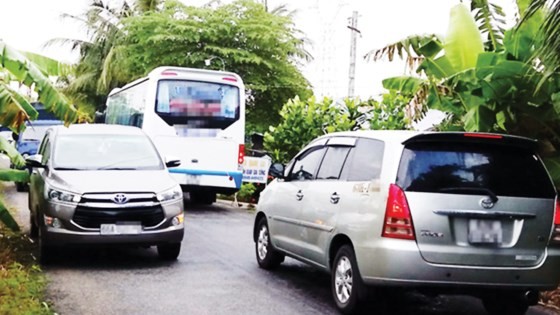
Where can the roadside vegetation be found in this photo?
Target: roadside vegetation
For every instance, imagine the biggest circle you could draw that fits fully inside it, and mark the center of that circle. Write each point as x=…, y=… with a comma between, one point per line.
x=22, y=284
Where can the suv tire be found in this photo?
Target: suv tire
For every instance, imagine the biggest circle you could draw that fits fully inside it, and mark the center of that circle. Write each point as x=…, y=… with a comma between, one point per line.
x=268, y=258
x=346, y=282
x=33, y=229
x=169, y=252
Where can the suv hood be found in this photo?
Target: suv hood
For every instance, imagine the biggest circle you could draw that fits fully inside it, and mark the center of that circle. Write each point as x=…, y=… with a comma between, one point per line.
x=112, y=181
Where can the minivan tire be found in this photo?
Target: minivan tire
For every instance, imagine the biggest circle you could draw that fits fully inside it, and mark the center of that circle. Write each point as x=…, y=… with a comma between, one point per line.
x=268, y=257
x=169, y=252
x=46, y=252
x=511, y=304
x=345, y=268
x=33, y=229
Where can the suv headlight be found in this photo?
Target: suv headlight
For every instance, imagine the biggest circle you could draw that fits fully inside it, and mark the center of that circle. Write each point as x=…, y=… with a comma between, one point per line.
x=59, y=195
x=174, y=193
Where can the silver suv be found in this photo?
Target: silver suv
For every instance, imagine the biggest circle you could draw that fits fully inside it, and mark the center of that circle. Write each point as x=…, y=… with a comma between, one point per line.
x=103, y=184
x=469, y=211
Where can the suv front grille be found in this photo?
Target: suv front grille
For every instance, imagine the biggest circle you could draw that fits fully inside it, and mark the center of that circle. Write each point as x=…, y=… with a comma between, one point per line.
x=94, y=210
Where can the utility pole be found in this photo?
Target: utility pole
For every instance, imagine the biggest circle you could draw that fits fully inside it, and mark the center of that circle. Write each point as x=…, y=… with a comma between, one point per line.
x=354, y=31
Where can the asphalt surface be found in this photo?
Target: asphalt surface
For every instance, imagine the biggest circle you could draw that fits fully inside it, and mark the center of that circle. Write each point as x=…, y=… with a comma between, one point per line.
x=216, y=273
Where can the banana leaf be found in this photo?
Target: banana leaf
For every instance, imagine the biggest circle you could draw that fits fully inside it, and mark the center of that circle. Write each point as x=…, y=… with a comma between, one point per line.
x=463, y=42
x=7, y=219
x=16, y=158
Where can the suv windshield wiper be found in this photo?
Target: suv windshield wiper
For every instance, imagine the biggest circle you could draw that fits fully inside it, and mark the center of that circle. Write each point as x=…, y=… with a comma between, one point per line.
x=67, y=169
x=486, y=191
x=112, y=168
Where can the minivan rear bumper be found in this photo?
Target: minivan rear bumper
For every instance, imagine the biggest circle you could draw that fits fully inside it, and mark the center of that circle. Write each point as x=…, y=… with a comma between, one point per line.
x=399, y=263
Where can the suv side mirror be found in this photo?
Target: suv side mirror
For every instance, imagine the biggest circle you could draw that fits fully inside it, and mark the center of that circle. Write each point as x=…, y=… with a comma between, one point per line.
x=276, y=170
x=172, y=161
x=35, y=161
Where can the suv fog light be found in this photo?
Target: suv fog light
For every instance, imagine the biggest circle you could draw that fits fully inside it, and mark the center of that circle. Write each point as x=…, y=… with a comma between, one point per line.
x=56, y=223
x=178, y=219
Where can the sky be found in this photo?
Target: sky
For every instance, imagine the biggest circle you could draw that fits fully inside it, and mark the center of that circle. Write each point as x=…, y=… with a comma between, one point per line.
x=324, y=23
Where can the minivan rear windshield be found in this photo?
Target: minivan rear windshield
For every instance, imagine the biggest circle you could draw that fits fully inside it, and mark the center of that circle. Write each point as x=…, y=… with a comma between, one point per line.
x=473, y=169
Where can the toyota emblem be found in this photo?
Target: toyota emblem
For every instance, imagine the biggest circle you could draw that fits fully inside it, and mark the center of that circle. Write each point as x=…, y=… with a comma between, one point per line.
x=486, y=203
x=120, y=199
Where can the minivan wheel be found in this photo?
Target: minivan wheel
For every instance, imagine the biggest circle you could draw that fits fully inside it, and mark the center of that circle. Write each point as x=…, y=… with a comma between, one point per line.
x=267, y=257
x=346, y=283
x=169, y=251
x=511, y=304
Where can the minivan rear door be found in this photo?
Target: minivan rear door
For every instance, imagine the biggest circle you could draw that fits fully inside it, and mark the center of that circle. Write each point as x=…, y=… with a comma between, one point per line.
x=477, y=199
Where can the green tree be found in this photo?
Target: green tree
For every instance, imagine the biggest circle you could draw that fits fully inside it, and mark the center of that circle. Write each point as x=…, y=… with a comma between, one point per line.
x=263, y=47
x=549, y=52
x=95, y=74
x=303, y=121
x=15, y=109
x=500, y=89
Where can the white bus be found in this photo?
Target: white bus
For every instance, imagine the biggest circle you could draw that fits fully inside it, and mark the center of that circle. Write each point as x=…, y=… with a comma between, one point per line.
x=195, y=115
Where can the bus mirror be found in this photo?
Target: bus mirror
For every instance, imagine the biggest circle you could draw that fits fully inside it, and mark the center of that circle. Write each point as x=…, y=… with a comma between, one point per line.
x=172, y=162
x=276, y=170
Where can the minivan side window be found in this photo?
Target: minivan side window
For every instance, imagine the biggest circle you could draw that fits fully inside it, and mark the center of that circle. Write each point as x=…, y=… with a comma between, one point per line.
x=305, y=166
x=364, y=161
x=332, y=162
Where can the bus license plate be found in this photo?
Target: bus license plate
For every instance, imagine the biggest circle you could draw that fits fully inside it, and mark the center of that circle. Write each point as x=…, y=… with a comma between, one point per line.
x=485, y=231
x=192, y=179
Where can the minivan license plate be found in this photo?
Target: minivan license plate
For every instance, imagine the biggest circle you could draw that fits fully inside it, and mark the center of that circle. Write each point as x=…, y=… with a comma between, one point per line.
x=116, y=229
x=485, y=231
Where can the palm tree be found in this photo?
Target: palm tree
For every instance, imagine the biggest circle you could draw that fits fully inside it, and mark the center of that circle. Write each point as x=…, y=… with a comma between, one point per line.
x=549, y=53
x=98, y=71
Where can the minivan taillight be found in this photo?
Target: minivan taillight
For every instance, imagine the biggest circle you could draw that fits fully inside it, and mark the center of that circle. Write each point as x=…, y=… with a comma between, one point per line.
x=556, y=230
x=241, y=154
x=398, y=222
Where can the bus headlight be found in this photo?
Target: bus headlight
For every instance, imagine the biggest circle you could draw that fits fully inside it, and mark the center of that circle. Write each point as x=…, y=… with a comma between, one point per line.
x=174, y=193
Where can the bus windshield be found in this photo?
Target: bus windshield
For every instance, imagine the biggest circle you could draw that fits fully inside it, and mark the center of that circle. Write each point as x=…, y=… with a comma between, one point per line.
x=196, y=103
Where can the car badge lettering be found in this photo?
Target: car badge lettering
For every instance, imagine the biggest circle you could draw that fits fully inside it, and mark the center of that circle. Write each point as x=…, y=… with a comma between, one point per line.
x=486, y=203
x=428, y=233
x=120, y=199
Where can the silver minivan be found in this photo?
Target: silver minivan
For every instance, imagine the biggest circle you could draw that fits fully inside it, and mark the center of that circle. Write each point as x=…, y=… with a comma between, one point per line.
x=103, y=184
x=470, y=213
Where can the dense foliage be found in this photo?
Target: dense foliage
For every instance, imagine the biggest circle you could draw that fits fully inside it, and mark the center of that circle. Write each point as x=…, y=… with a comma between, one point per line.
x=304, y=120
x=492, y=87
x=127, y=42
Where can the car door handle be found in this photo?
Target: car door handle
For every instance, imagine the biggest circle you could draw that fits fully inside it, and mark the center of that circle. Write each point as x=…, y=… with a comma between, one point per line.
x=335, y=198
x=299, y=195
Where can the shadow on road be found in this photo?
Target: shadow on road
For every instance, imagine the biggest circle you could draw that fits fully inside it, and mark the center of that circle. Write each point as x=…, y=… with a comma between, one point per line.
x=107, y=258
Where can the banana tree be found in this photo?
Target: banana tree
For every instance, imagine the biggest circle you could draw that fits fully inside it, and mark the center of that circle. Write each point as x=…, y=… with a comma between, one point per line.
x=495, y=86
x=15, y=109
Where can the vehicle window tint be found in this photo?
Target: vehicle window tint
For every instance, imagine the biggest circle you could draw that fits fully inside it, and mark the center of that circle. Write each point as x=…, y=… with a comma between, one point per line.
x=332, y=163
x=306, y=165
x=472, y=169
x=364, y=161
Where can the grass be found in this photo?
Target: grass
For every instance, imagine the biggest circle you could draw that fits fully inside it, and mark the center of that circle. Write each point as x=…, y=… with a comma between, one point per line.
x=22, y=283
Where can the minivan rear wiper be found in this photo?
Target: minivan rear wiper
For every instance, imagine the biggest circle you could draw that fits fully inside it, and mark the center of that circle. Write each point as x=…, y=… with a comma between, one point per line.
x=486, y=191
x=117, y=168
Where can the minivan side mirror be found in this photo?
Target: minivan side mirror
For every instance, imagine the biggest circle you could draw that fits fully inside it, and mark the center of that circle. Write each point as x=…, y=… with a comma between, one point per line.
x=35, y=161
x=171, y=161
x=276, y=170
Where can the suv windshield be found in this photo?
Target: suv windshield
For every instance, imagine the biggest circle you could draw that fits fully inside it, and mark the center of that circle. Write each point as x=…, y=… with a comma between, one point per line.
x=473, y=169
x=105, y=152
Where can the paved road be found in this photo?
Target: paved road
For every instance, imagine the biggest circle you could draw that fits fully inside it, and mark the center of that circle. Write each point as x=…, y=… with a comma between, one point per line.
x=216, y=273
